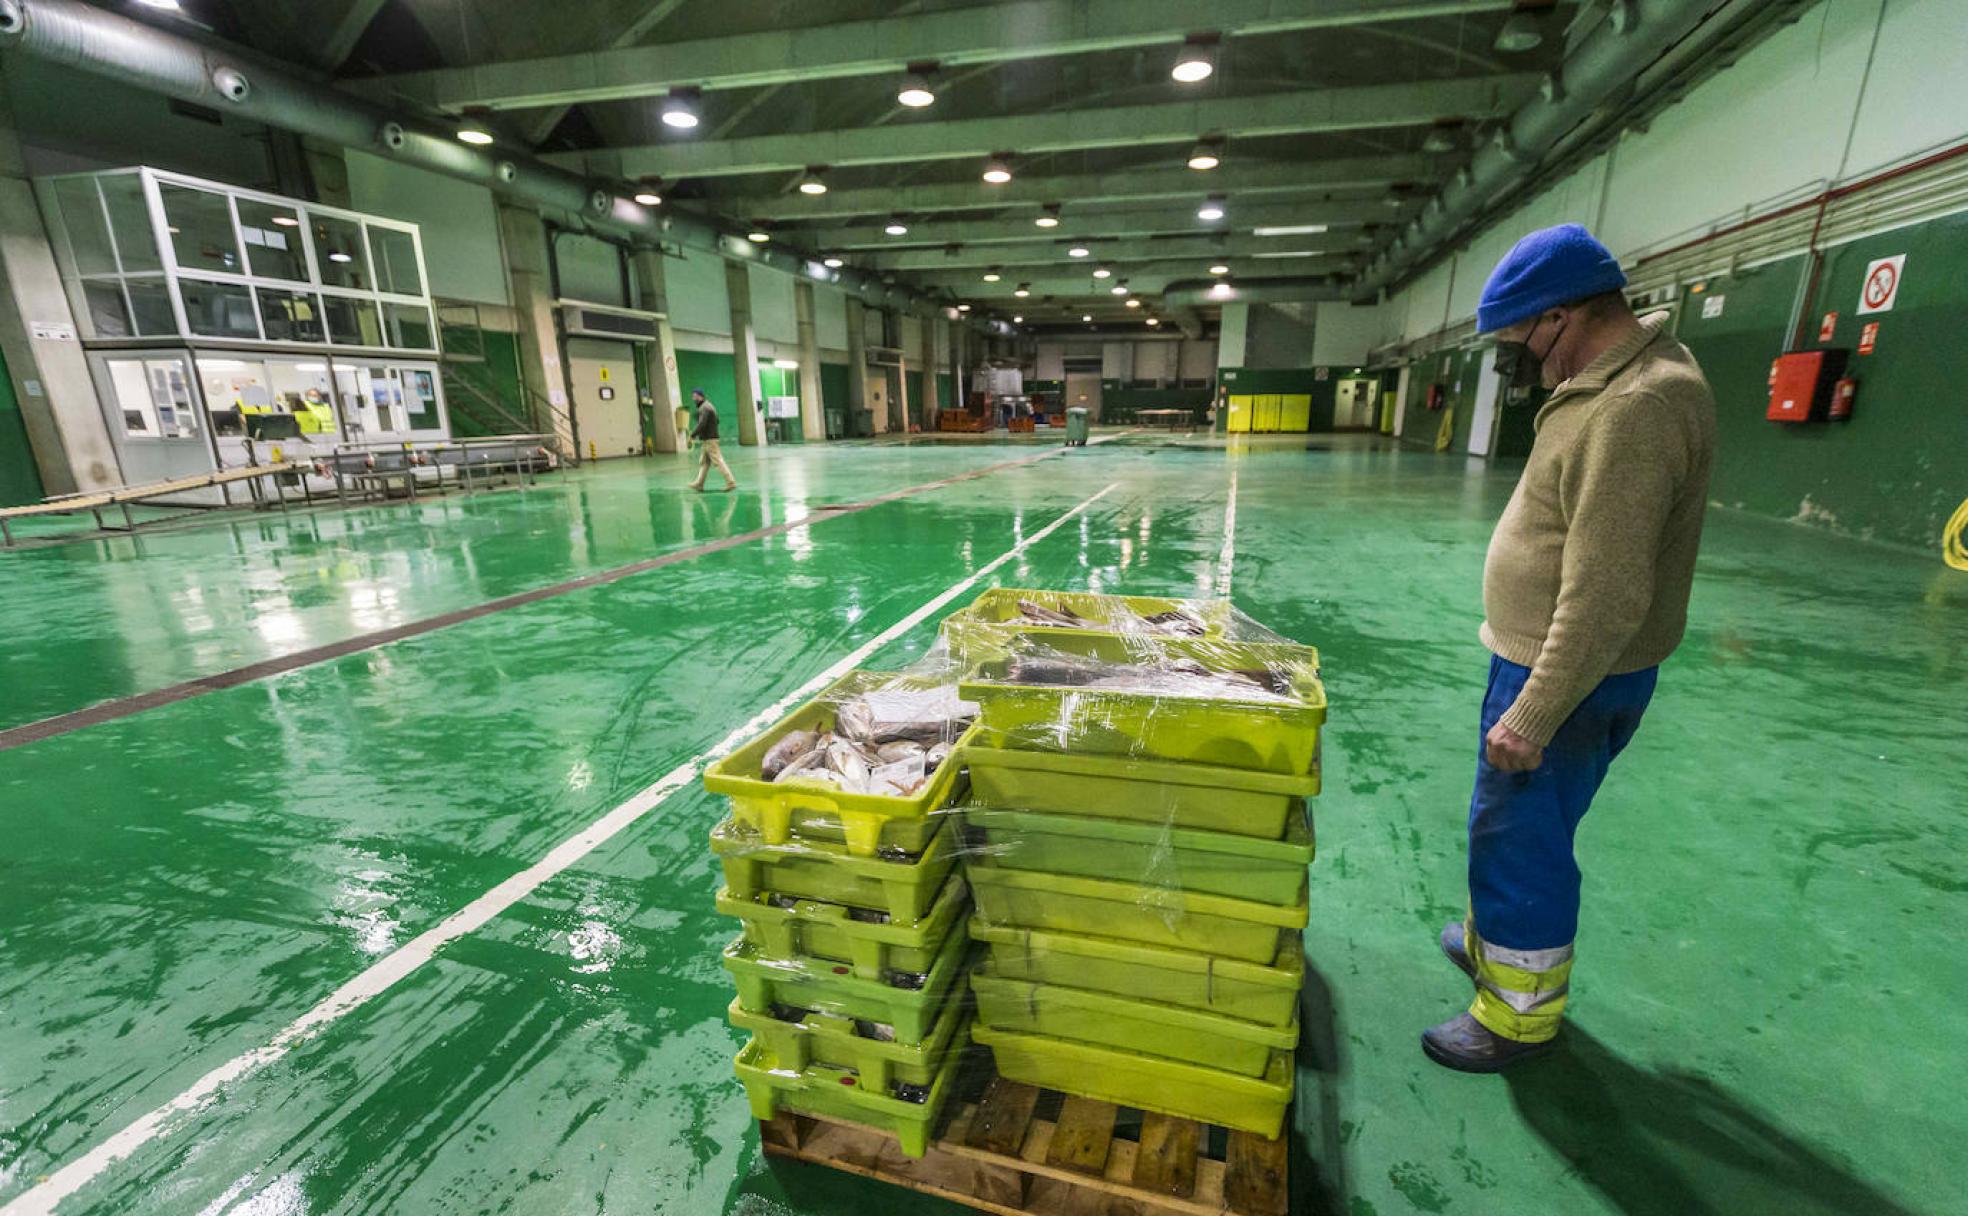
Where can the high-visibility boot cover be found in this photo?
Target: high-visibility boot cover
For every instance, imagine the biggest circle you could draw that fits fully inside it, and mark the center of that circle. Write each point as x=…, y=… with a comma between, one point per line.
x=1520, y=994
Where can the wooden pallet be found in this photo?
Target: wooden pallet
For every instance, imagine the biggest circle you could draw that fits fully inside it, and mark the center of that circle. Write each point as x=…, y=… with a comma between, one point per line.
x=1007, y=1152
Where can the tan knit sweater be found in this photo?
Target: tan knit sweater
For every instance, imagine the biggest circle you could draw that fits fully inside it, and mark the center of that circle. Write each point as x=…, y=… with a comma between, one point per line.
x=1590, y=566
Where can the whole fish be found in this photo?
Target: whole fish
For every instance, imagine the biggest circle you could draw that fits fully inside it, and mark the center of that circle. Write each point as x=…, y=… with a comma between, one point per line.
x=889, y=753
x=846, y=763
x=789, y=748
x=1042, y=615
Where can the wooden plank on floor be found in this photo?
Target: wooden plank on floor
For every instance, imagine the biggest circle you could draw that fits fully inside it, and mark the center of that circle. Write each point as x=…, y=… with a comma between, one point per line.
x=1003, y=1115
x=1254, y=1175
x=1081, y=1135
x=1165, y=1163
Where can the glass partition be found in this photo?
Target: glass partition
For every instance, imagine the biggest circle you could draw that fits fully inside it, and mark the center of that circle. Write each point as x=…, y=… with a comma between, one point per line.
x=234, y=264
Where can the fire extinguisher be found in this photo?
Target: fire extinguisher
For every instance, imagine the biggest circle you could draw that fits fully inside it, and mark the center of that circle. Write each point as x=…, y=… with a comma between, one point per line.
x=1842, y=395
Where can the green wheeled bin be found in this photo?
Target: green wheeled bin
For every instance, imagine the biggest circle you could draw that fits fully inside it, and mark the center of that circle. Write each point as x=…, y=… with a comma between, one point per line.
x=1076, y=426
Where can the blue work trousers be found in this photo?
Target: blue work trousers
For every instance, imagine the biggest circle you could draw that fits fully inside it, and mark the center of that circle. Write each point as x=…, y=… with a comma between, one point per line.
x=1523, y=879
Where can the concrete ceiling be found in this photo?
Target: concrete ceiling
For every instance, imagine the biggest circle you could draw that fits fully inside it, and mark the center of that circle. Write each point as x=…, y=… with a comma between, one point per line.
x=1349, y=113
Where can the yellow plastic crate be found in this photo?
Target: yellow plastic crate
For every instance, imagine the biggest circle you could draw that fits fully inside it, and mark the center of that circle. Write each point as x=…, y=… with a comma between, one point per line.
x=1147, y=1028
x=821, y=811
x=830, y=872
x=1271, y=736
x=910, y=1005
x=994, y=615
x=812, y=929
x=1158, y=916
x=771, y=1086
x=1169, y=1087
x=1199, y=796
x=1265, y=993
x=826, y=1039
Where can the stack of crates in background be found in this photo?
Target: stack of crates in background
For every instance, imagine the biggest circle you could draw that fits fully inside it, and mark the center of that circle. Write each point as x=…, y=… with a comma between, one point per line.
x=1136, y=838
x=852, y=964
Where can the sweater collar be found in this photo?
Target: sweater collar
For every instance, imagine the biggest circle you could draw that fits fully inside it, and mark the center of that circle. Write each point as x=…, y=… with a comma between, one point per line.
x=1614, y=358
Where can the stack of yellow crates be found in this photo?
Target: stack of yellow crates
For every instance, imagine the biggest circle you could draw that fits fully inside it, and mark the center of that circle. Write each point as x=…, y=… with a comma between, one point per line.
x=1136, y=839
x=852, y=964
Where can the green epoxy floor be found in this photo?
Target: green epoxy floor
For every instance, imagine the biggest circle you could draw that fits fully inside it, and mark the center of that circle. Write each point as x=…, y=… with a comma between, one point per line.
x=1769, y=984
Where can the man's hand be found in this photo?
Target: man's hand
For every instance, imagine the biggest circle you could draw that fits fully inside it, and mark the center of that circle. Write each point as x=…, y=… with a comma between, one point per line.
x=1511, y=752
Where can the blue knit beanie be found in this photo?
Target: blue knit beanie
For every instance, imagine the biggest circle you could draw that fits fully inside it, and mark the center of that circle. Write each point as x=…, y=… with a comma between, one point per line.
x=1551, y=266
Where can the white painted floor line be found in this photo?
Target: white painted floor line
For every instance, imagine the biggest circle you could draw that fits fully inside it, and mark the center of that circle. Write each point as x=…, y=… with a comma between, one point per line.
x=1227, y=559
x=41, y=1199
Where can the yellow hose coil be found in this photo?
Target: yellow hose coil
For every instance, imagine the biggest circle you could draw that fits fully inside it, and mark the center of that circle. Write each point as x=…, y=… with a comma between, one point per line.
x=1954, y=539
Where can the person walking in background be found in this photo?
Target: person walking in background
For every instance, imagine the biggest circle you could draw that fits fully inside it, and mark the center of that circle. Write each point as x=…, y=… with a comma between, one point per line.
x=1585, y=593
x=705, y=434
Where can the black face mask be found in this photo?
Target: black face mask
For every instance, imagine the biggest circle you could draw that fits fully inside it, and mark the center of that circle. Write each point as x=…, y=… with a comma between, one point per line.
x=1518, y=365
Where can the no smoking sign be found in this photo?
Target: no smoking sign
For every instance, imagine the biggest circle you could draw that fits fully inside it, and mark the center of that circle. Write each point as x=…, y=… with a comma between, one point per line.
x=1882, y=284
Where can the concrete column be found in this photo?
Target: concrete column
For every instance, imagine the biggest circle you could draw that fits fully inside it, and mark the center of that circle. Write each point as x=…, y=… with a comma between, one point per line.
x=899, y=406
x=931, y=364
x=813, y=413
x=744, y=352
x=541, y=373
x=1232, y=335
x=958, y=367
x=70, y=441
x=857, y=362
x=652, y=295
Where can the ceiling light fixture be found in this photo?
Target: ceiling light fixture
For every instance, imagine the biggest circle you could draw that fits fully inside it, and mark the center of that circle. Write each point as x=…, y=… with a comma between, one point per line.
x=1153, y=321
x=1211, y=210
x=1197, y=61
x=286, y=221
x=1207, y=154
x=1022, y=290
x=1049, y=218
x=1118, y=289
x=758, y=236
x=1219, y=268
x=786, y=365
x=1018, y=320
x=1133, y=301
x=472, y=129
x=1078, y=251
x=1289, y=230
x=1519, y=33
x=1439, y=139
x=833, y=263
x=916, y=92
x=812, y=182
x=339, y=256
x=1101, y=272
x=649, y=191
x=963, y=308
x=1223, y=291
x=680, y=108
x=992, y=275
x=1086, y=317
x=998, y=171
x=896, y=228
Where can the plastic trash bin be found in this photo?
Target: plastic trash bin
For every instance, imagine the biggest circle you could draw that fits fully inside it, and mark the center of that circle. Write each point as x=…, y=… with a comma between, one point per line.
x=1076, y=427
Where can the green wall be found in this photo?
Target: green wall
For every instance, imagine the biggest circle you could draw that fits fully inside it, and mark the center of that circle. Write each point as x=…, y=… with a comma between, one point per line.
x=1456, y=371
x=20, y=481
x=498, y=375
x=946, y=391
x=1898, y=468
x=912, y=387
x=716, y=374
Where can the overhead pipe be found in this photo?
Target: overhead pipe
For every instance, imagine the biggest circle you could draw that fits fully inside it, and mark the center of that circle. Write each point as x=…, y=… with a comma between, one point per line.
x=1633, y=35
x=89, y=39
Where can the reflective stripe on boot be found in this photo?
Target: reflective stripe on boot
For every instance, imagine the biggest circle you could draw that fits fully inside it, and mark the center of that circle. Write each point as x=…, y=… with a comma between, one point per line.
x=1520, y=994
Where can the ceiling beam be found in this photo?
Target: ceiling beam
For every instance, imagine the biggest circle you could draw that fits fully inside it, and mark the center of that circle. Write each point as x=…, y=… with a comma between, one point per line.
x=339, y=43
x=1076, y=282
x=1158, y=221
x=979, y=34
x=1076, y=191
x=1117, y=253
x=1355, y=108
x=538, y=127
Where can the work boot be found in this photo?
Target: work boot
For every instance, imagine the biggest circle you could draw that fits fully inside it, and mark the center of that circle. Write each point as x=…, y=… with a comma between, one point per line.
x=1457, y=948
x=1466, y=1045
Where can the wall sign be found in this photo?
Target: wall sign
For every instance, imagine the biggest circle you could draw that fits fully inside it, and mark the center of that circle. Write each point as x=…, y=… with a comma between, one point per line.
x=1882, y=284
x=604, y=373
x=52, y=331
x=1712, y=307
x=1827, y=327
x=1868, y=337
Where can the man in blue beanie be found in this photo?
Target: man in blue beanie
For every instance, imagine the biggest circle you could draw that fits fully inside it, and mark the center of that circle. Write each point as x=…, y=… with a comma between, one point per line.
x=1585, y=592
